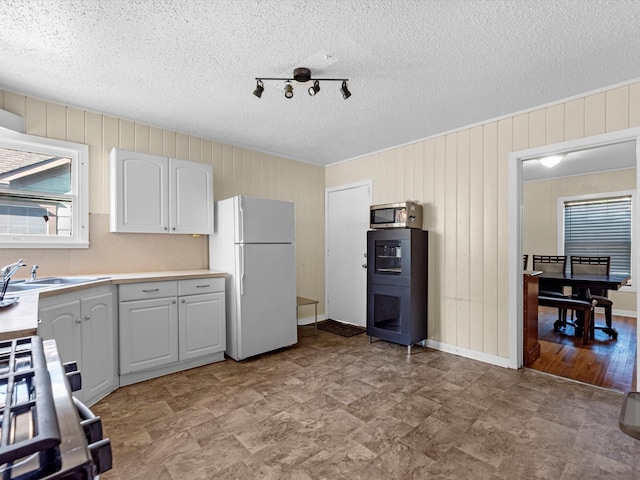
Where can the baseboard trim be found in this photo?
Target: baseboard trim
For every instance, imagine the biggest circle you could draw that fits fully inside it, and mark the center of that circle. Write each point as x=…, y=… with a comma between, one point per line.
x=310, y=320
x=465, y=352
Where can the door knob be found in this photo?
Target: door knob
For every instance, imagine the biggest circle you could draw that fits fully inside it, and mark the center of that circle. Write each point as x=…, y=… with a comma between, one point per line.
x=364, y=265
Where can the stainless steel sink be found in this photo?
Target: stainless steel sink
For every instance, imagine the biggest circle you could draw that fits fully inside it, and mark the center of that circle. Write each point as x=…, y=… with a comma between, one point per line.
x=62, y=280
x=48, y=282
x=22, y=287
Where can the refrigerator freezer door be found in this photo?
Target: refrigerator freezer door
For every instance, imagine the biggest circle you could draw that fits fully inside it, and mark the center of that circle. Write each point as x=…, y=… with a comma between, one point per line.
x=260, y=220
x=265, y=291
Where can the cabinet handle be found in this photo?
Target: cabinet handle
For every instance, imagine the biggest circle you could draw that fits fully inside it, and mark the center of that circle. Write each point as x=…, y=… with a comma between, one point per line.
x=39, y=321
x=151, y=290
x=203, y=286
x=173, y=302
x=78, y=320
x=166, y=228
x=174, y=229
x=87, y=317
x=184, y=301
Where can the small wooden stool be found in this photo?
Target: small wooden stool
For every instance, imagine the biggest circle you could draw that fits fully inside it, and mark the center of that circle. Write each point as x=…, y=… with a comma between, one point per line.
x=308, y=301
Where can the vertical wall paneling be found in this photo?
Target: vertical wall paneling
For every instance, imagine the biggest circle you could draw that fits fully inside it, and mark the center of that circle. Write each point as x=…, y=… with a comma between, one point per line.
x=169, y=143
x=505, y=146
x=155, y=141
x=428, y=207
x=247, y=172
x=238, y=170
x=476, y=238
x=537, y=128
x=36, y=117
x=182, y=146
x=141, y=137
x=617, y=109
x=554, y=124
x=15, y=103
x=75, y=125
x=573, y=119
x=227, y=171
x=490, y=231
x=463, y=178
x=521, y=132
x=594, y=114
x=56, y=121
x=195, y=149
x=128, y=135
x=97, y=181
x=110, y=131
x=418, y=177
x=451, y=234
x=218, y=170
x=634, y=105
x=438, y=237
x=409, y=173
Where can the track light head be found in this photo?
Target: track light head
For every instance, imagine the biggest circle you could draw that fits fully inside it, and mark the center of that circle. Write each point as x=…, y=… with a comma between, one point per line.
x=259, y=89
x=288, y=89
x=315, y=88
x=345, y=91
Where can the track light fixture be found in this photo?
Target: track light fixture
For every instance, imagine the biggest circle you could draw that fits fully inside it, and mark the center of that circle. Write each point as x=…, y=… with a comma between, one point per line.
x=301, y=75
x=288, y=89
x=259, y=89
x=345, y=91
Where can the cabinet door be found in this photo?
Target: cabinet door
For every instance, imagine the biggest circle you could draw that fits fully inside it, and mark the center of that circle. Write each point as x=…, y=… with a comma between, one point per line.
x=191, y=197
x=139, y=192
x=202, y=325
x=148, y=334
x=98, y=352
x=61, y=322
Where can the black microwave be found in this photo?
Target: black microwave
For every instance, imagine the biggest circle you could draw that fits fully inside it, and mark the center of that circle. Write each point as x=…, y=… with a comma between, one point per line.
x=396, y=215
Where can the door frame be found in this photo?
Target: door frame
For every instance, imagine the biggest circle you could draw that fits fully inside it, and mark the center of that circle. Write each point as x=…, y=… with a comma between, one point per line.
x=515, y=225
x=327, y=191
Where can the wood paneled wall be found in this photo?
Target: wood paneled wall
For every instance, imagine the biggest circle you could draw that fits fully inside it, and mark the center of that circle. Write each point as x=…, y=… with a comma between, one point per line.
x=461, y=178
x=237, y=171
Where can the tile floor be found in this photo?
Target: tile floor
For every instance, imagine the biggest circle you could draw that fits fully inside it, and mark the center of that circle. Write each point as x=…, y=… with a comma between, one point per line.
x=342, y=408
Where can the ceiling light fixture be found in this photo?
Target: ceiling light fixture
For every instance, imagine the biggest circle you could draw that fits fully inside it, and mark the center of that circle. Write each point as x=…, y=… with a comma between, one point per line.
x=301, y=75
x=259, y=89
x=288, y=89
x=551, y=161
x=315, y=89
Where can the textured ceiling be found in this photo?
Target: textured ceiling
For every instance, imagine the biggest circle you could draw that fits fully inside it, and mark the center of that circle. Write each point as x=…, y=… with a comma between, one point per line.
x=415, y=68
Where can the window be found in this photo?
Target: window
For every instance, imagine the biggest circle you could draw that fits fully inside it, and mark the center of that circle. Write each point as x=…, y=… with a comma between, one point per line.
x=600, y=226
x=43, y=192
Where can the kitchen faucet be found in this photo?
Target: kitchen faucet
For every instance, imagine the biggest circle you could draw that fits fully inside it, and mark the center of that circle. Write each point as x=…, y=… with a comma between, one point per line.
x=8, y=270
x=5, y=275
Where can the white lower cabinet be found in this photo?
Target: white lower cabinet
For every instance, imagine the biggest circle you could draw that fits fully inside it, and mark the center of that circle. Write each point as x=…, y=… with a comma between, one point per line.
x=83, y=324
x=170, y=326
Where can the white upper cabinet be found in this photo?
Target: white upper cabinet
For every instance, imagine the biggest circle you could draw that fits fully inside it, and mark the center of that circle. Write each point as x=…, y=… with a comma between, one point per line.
x=153, y=194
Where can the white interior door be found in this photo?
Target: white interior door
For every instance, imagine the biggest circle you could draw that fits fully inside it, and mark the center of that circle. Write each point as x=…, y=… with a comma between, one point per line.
x=347, y=218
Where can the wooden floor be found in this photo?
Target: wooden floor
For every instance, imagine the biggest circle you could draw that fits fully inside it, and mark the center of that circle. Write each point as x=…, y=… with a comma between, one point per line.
x=604, y=362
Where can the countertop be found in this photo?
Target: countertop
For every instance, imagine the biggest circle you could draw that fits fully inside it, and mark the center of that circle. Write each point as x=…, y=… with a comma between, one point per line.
x=21, y=318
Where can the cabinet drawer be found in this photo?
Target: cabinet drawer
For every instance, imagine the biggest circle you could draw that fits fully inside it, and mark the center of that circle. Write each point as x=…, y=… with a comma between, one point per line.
x=141, y=291
x=200, y=285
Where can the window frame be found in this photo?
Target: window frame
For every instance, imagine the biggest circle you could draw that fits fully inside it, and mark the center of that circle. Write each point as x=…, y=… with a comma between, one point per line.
x=630, y=287
x=79, y=195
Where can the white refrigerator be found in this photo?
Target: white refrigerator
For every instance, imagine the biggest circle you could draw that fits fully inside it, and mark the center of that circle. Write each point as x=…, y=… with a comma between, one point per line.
x=254, y=242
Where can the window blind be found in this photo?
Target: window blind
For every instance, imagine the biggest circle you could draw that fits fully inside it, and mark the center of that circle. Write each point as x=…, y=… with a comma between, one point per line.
x=600, y=228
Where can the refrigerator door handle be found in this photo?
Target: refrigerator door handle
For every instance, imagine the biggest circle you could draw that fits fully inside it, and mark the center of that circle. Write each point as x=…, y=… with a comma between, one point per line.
x=241, y=269
x=241, y=212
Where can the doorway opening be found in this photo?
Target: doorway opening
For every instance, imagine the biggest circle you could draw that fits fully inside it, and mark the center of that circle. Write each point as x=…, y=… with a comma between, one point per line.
x=603, y=362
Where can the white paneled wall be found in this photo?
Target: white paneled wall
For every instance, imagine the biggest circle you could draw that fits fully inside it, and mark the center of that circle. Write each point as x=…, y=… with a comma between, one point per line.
x=461, y=178
x=236, y=171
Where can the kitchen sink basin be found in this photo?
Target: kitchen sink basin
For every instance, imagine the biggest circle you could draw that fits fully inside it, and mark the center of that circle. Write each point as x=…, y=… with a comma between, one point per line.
x=23, y=287
x=48, y=282
x=62, y=280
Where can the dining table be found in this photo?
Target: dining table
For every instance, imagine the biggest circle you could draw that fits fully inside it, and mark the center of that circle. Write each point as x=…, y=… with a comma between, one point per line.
x=581, y=285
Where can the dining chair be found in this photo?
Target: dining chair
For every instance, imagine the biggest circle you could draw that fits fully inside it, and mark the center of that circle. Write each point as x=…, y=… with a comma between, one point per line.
x=557, y=264
x=586, y=265
x=525, y=259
